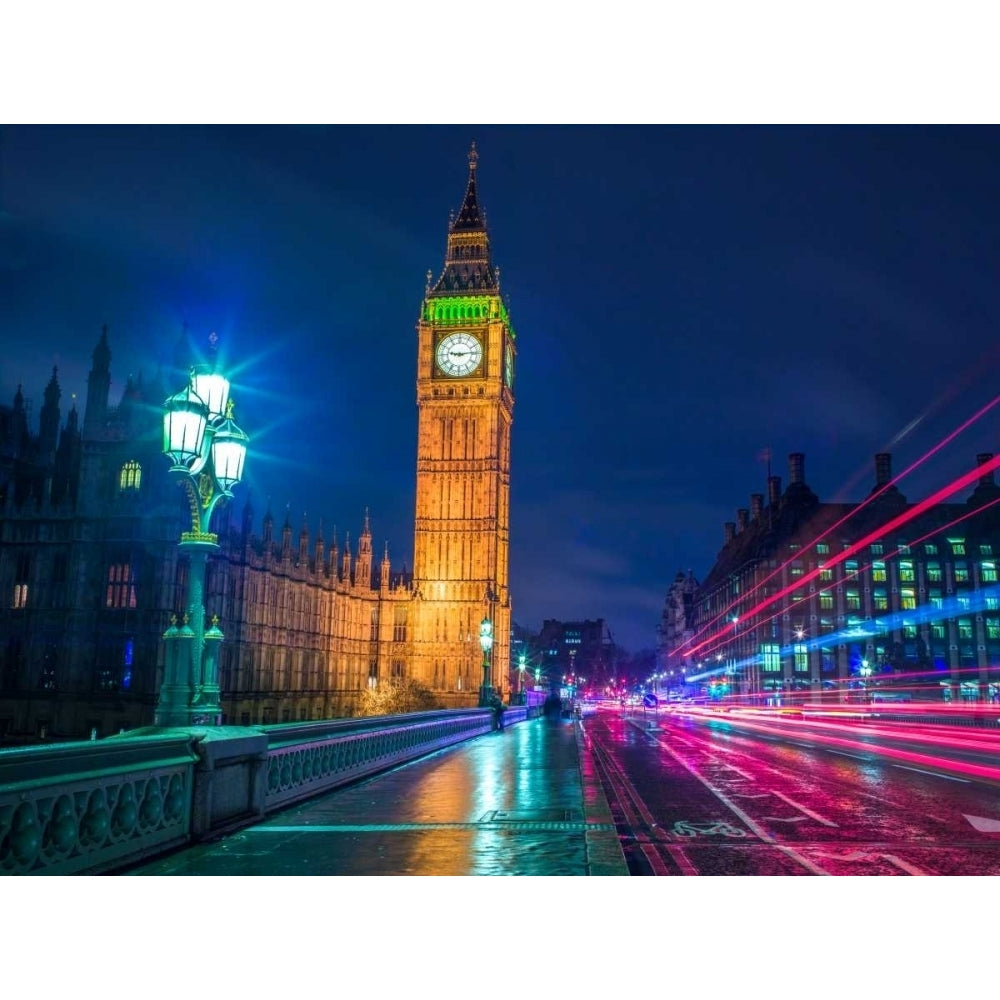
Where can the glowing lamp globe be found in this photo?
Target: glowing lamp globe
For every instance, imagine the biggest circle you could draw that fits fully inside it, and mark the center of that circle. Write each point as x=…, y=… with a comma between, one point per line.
x=184, y=423
x=229, y=451
x=213, y=389
x=486, y=634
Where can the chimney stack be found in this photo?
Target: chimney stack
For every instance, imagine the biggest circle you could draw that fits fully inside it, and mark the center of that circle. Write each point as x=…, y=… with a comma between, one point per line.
x=883, y=468
x=774, y=490
x=742, y=518
x=756, y=505
x=796, y=468
x=982, y=459
x=730, y=531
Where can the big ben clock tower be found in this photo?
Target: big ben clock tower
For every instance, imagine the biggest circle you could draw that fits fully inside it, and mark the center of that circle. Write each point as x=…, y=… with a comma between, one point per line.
x=465, y=379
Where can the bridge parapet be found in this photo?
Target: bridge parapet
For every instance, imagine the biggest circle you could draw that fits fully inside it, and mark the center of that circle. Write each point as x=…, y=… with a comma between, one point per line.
x=101, y=805
x=93, y=805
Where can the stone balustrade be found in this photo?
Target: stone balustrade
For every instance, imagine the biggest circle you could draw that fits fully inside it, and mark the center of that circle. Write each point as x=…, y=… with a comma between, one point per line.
x=102, y=805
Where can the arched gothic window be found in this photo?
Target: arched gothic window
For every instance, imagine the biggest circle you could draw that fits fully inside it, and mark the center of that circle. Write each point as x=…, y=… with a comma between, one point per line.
x=130, y=476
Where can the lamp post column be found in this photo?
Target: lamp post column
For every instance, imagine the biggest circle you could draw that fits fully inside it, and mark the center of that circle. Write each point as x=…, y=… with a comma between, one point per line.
x=208, y=451
x=486, y=642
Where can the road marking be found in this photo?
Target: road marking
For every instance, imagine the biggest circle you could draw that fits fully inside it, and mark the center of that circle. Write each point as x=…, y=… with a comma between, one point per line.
x=904, y=865
x=805, y=862
x=933, y=774
x=755, y=827
x=808, y=746
x=785, y=819
x=871, y=856
x=685, y=828
x=843, y=753
x=983, y=824
x=682, y=860
x=808, y=812
x=654, y=859
x=853, y=856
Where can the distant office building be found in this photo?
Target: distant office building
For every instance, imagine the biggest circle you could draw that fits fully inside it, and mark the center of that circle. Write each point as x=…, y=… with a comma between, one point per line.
x=812, y=596
x=581, y=650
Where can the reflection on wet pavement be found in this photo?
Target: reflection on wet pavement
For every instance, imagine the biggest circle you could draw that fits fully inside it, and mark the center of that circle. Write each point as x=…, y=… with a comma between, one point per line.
x=524, y=801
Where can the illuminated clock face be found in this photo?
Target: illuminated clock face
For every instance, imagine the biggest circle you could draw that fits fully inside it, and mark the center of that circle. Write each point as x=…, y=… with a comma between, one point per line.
x=459, y=354
x=508, y=367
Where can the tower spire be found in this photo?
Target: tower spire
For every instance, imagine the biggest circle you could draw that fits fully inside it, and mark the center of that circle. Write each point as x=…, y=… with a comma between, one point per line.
x=467, y=265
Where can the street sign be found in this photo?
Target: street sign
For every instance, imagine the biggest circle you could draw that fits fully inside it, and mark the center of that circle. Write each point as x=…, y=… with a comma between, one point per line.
x=649, y=700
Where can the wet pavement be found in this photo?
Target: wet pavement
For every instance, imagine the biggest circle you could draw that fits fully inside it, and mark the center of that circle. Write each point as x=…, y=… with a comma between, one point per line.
x=524, y=801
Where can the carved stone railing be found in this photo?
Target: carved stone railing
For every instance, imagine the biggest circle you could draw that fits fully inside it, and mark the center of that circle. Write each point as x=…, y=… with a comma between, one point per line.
x=93, y=806
x=103, y=805
x=306, y=759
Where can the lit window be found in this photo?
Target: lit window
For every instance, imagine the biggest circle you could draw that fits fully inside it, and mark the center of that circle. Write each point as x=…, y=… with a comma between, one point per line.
x=878, y=572
x=906, y=572
x=907, y=600
x=796, y=571
x=957, y=546
x=22, y=574
x=130, y=476
x=993, y=603
x=988, y=572
x=121, y=586
x=986, y=550
x=127, y=664
x=964, y=628
x=826, y=601
x=937, y=630
x=992, y=628
x=903, y=548
x=826, y=575
x=801, y=653
x=880, y=600
x=933, y=572
x=877, y=549
x=853, y=600
x=961, y=572
x=823, y=549
x=771, y=657
x=931, y=550
x=909, y=631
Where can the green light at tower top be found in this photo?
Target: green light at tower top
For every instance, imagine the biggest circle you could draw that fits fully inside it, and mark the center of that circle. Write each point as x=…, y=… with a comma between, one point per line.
x=466, y=309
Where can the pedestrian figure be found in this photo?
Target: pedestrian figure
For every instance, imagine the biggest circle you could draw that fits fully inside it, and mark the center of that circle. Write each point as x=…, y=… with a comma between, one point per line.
x=498, y=710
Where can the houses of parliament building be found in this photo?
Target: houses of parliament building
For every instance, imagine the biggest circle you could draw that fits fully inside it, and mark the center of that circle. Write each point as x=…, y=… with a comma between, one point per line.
x=91, y=575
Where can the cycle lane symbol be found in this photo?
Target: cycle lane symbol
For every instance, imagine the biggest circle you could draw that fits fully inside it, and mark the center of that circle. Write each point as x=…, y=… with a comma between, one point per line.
x=686, y=828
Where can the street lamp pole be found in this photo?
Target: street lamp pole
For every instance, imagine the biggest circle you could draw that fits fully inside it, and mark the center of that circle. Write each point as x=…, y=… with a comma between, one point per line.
x=486, y=642
x=521, y=664
x=208, y=450
x=866, y=672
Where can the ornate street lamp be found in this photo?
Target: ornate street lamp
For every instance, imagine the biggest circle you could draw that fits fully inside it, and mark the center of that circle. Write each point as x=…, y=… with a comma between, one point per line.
x=207, y=450
x=486, y=642
x=521, y=664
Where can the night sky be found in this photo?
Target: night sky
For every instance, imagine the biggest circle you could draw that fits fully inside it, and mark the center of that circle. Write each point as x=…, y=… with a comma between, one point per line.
x=683, y=297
